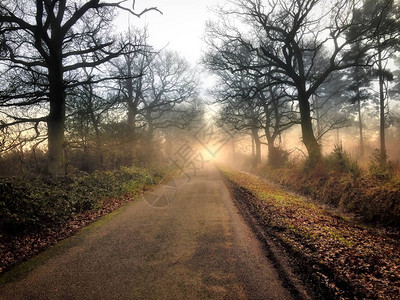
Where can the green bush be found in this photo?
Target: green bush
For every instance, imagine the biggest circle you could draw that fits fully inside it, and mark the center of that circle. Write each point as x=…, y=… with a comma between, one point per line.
x=340, y=161
x=278, y=157
x=382, y=170
x=47, y=202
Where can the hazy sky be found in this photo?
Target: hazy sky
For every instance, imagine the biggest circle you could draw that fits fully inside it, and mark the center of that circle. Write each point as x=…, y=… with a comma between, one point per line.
x=180, y=27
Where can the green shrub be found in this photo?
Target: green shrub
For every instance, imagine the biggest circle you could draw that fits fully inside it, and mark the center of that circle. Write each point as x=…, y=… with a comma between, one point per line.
x=278, y=157
x=340, y=161
x=382, y=170
x=47, y=202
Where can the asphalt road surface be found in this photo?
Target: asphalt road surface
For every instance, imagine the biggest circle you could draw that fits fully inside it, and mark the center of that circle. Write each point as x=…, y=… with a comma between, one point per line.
x=196, y=247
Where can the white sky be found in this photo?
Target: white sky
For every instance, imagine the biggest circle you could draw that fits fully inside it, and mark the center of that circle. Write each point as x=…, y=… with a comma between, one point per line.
x=180, y=28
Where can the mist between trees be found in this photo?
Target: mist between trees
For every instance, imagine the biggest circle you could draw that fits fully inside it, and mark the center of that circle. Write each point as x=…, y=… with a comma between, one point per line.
x=74, y=94
x=319, y=65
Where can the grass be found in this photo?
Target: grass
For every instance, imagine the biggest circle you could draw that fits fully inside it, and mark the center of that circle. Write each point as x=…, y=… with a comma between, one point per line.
x=365, y=258
x=373, y=200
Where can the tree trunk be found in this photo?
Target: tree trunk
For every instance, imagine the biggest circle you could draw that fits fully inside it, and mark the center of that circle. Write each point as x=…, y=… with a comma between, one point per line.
x=130, y=102
x=131, y=121
x=273, y=154
x=317, y=115
x=253, y=149
x=133, y=100
x=149, y=142
x=99, y=147
x=97, y=136
x=257, y=148
x=55, y=122
x=360, y=126
x=271, y=137
x=273, y=159
x=87, y=165
x=381, y=107
x=309, y=140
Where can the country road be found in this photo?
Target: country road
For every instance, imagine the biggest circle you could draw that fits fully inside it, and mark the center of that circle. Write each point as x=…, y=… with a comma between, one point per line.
x=197, y=247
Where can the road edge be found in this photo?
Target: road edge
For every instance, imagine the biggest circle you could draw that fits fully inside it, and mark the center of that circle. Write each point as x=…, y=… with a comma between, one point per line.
x=289, y=265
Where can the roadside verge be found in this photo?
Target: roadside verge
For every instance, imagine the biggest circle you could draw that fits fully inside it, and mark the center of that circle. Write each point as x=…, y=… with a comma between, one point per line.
x=39, y=213
x=342, y=260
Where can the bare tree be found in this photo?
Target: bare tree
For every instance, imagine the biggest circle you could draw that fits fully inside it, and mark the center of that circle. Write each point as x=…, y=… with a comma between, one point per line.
x=132, y=68
x=292, y=38
x=44, y=39
x=249, y=104
x=87, y=106
x=250, y=100
x=172, y=85
x=239, y=109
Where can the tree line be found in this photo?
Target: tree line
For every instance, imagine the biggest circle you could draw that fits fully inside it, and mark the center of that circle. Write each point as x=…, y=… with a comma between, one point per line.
x=280, y=63
x=69, y=82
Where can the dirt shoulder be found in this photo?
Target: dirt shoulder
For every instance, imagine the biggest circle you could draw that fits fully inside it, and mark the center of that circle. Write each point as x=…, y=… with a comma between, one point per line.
x=339, y=258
